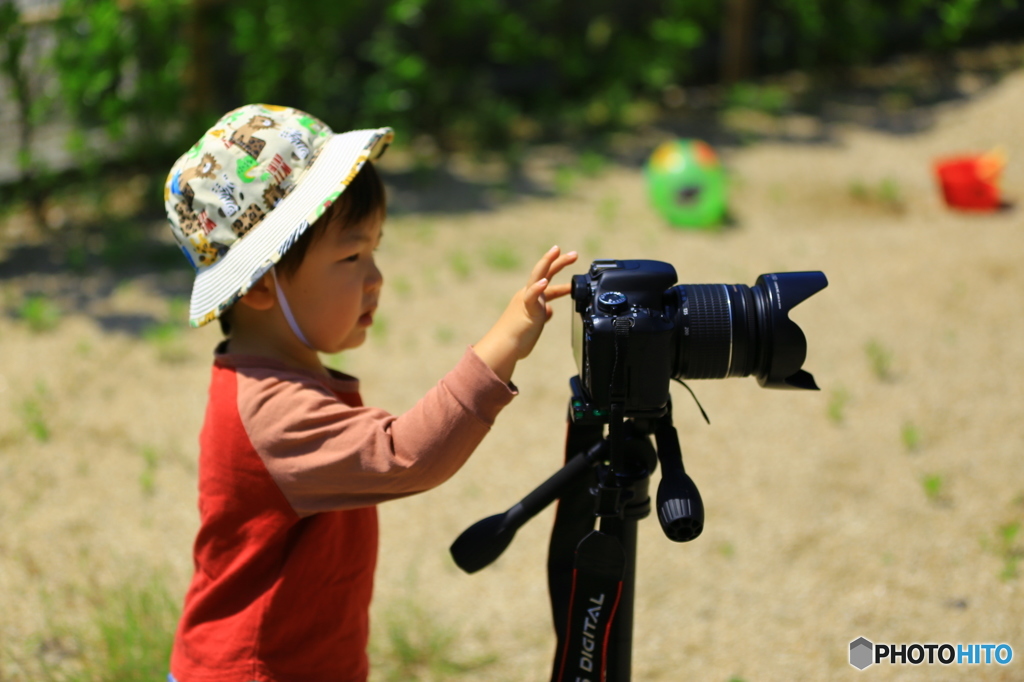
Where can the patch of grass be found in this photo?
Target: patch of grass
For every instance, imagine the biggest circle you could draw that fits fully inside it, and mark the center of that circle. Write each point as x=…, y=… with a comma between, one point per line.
x=136, y=631
x=565, y=180
x=934, y=486
x=502, y=257
x=1009, y=550
x=460, y=264
x=34, y=411
x=168, y=339
x=886, y=194
x=40, y=313
x=424, y=233
x=591, y=163
x=401, y=286
x=147, y=479
x=415, y=647
x=880, y=360
x=608, y=211
x=444, y=334
x=177, y=310
x=127, y=637
x=379, y=328
x=838, y=399
x=1007, y=546
x=770, y=99
x=911, y=436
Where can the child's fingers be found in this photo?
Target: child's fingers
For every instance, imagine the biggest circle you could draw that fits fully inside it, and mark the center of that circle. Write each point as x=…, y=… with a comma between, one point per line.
x=559, y=263
x=557, y=291
x=543, y=266
x=535, y=297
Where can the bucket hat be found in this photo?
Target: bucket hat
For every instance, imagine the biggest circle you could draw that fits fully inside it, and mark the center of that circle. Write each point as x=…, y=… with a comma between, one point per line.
x=256, y=180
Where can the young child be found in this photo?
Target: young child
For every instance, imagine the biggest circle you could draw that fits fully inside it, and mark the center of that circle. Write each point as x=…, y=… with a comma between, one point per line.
x=281, y=217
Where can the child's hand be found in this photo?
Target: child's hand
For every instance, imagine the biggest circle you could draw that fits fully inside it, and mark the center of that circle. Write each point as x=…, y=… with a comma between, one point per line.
x=516, y=332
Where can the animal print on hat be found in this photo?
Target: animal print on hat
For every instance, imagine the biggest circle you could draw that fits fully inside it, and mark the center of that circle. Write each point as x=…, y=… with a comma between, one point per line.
x=247, y=162
x=232, y=202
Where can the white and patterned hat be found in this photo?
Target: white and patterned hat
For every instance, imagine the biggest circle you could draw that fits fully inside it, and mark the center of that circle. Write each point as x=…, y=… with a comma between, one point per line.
x=241, y=196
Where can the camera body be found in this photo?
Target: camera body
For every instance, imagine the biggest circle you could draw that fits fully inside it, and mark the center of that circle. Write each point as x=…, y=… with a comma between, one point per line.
x=636, y=294
x=635, y=331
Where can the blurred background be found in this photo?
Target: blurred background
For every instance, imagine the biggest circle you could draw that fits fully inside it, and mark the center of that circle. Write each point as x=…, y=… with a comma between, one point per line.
x=522, y=124
x=93, y=87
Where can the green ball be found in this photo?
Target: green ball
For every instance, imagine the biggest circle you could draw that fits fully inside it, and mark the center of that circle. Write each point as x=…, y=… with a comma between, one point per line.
x=686, y=184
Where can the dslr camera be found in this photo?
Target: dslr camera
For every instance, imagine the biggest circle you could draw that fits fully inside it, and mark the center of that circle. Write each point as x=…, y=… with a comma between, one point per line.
x=637, y=329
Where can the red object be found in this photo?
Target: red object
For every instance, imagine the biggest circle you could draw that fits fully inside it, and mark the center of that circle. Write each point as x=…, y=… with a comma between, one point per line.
x=971, y=182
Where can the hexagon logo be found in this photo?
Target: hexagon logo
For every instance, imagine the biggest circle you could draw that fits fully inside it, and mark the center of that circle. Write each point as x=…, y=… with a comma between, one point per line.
x=861, y=653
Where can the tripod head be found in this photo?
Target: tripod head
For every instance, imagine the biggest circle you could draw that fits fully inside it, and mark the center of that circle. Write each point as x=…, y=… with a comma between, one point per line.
x=591, y=573
x=680, y=508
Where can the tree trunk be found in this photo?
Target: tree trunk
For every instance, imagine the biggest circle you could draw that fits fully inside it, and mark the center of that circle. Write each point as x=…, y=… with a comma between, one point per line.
x=737, y=40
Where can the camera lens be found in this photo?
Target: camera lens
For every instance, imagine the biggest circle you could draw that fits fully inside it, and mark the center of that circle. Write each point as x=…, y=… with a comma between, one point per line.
x=705, y=324
x=725, y=330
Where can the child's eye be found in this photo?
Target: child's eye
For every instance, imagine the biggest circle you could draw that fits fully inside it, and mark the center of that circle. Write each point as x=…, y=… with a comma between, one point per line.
x=351, y=259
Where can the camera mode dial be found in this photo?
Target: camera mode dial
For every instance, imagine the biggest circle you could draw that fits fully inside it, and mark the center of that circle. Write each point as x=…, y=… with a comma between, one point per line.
x=612, y=302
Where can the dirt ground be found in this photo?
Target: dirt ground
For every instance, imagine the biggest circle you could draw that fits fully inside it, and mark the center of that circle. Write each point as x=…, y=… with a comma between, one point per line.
x=883, y=506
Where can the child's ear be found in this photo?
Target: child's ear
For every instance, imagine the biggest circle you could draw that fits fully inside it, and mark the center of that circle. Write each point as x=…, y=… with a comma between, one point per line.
x=261, y=294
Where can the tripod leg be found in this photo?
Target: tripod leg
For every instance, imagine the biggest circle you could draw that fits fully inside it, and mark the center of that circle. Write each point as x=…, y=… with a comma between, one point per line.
x=587, y=646
x=620, y=640
x=574, y=520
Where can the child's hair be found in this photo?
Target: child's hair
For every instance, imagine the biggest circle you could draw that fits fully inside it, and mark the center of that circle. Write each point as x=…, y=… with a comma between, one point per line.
x=363, y=198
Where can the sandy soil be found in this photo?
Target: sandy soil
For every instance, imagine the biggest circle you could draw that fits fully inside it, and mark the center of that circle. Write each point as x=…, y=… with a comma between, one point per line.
x=878, y=507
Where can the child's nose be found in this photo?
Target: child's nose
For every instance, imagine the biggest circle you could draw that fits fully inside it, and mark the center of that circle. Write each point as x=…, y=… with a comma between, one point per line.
x=375, y=279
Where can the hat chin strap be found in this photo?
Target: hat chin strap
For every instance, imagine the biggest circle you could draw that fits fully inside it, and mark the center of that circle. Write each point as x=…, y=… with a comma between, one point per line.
x=286, y=309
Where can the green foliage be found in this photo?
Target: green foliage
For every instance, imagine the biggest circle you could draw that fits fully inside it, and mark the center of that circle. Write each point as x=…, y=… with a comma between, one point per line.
x=502, y=256
x=444, y=334
x=934, y=487
x=137, y=631
x=128, y=638
x=120, y=65
x=401, y=286
x=1007, y=546
x=416, y=647
x=40, y=313
x=608, y=211
x=460, y=264
x=880, y=360
x=1009, y=549
x=477, y=74
x=34, y=411
x=380, y=327
x=147, y=479
x=837, y=401
x=770, y=99
x=886, y=194
x=911, y=436
x=168, y=340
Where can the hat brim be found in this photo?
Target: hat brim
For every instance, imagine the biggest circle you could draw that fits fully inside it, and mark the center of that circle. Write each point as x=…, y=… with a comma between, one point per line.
x=217, y=287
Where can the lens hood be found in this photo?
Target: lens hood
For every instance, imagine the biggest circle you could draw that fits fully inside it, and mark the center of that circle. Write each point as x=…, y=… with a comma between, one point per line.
x=783, y=344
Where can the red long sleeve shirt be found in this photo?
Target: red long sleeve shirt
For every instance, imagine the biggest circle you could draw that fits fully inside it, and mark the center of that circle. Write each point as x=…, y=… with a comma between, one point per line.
x=291, y=465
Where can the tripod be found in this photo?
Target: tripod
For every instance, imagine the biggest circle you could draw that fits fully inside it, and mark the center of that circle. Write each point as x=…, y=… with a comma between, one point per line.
x=592, y=572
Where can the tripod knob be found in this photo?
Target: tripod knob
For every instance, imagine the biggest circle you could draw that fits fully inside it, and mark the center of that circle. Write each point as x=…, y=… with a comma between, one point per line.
x=680, y=509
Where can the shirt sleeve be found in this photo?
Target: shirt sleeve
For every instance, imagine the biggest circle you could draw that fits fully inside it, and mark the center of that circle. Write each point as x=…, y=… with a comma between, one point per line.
x=325, y=455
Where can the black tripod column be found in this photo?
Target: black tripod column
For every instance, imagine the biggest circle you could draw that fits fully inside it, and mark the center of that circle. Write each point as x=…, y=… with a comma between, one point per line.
x=592, y=572
x=624, y=529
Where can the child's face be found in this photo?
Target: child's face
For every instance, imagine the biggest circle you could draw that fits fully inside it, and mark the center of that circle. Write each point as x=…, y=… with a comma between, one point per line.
x=334, y=292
